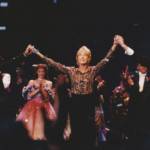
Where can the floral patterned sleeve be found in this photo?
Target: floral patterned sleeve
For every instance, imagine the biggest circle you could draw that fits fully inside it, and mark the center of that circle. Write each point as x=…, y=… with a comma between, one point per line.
x=56, y=65
x=105, y=60
x=27, y=89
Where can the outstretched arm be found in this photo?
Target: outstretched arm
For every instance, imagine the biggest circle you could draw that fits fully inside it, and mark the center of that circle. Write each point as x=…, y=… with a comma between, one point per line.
x=105, y=60
x=118, y=40
x=30, y=49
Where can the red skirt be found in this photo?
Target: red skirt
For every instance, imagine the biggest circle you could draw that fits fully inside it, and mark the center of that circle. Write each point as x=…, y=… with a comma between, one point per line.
x=32, y=117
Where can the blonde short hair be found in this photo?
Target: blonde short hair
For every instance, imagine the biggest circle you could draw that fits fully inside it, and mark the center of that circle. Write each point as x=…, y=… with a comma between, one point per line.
x=87, y=52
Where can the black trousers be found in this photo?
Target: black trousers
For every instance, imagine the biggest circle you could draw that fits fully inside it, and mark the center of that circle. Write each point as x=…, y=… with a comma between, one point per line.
x=82, y=112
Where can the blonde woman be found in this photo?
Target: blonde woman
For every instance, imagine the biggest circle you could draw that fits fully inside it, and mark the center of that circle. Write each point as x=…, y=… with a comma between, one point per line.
x=82, y=101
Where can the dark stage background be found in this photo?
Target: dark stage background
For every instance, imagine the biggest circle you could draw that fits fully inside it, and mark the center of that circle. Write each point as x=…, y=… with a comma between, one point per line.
x=59, y=27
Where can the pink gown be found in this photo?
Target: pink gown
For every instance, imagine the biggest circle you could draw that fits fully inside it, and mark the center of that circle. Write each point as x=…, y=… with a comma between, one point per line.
x=32, y=114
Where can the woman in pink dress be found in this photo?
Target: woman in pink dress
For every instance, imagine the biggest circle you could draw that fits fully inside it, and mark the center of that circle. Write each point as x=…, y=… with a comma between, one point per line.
x=38, y=93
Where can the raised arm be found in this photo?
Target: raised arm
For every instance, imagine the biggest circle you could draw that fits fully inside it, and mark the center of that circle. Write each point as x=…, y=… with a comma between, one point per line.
x=105, y=60
x=118, y=40
x=30, y=49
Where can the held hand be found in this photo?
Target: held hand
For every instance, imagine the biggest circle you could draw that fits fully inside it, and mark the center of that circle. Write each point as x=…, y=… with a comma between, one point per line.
x=41, y=86
x=29, y=50
x=118, y=39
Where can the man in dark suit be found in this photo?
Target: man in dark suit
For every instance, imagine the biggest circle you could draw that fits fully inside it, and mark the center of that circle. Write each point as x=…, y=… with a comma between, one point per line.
x=138, y=86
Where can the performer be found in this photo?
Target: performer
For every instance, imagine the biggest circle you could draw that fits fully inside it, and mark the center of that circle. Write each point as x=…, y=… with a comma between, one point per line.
x=5, y=77
x=5, y=91
x=138, y=86
x=58, y=132
x=101, y=94
x=82, y=102
x=38, y=93
x=5, y=81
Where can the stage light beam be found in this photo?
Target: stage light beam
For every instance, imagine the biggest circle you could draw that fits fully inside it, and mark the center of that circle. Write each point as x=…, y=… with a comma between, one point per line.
x=3, y=4
x=3, y=28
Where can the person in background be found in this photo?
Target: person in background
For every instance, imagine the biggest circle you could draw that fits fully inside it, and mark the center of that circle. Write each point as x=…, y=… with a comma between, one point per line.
x=38, y=93
x=138, y=87
x=102, y=95
x=58, y=133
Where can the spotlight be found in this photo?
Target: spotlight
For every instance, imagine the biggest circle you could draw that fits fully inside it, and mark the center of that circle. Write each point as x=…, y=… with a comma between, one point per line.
x=55, y=1
x=3, y=4
x=3, y=28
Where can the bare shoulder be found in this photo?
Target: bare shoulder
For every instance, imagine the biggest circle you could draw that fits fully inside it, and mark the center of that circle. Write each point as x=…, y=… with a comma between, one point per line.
x=31, y=82
x=48, y=82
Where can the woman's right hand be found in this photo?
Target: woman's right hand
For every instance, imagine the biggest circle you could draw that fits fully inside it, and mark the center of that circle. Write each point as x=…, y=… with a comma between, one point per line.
x=29, y=50
x=118, y=39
